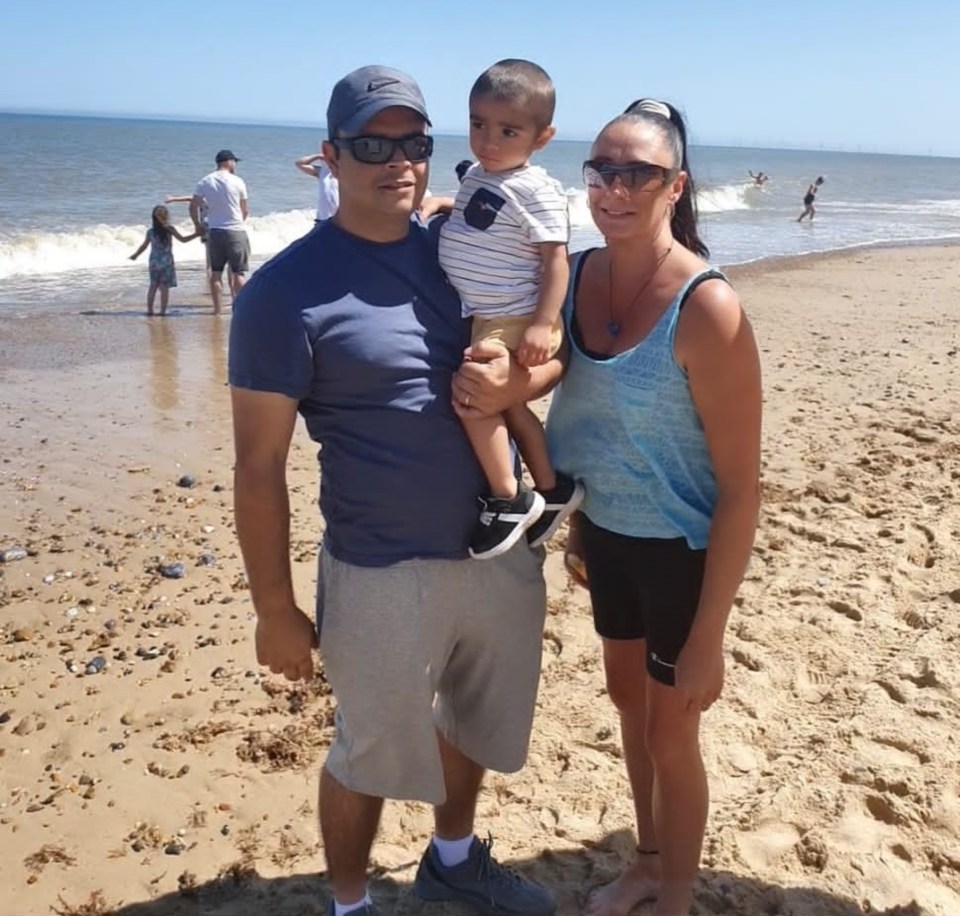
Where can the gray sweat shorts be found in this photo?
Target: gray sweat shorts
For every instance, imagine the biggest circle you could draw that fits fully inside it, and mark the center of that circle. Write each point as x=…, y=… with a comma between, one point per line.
x=424, y=645
x=228, y=246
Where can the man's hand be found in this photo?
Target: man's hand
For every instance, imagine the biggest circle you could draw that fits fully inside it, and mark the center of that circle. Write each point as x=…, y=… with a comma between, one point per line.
x=534, y=349
x=484, y=384
x=284, y=640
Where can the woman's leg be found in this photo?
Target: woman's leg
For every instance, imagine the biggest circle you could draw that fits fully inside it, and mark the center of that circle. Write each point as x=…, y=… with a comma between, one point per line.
x=624, y=662
x=680, y=795
x=661, y=748
x=164, y=298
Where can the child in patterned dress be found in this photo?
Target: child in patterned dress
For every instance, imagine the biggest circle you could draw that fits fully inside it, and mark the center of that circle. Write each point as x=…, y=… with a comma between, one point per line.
x=163, y=272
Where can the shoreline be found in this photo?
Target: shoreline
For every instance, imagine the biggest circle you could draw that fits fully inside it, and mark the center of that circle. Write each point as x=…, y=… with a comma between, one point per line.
x=195, y=290
x=177, y=778
x=775, y=261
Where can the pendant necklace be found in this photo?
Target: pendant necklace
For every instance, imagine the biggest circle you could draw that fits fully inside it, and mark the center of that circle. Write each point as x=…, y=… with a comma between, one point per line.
x=615, y=325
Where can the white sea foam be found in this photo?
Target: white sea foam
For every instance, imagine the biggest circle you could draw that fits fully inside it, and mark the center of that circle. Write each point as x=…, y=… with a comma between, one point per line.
x=709, y=200
x=578, y=209
x=35, y=254
x=724, y=198
x=42, y=253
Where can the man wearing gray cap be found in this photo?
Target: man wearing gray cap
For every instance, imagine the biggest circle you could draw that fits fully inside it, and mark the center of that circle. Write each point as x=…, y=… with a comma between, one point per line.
x=434, y=659
x=223, y=194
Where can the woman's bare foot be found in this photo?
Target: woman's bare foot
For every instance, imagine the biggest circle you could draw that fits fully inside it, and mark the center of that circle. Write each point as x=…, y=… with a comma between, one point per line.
x=637, y=883
x=674, y=900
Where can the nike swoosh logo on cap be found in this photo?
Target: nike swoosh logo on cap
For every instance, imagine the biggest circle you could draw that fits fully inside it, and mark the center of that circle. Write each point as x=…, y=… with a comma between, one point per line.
x=374, y=85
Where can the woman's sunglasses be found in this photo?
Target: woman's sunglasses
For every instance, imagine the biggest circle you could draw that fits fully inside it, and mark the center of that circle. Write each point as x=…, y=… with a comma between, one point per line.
x=377, y=150
x=632, y=175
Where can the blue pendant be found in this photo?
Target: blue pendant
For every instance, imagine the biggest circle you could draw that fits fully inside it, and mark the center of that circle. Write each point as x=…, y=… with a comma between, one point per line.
x=613, y=328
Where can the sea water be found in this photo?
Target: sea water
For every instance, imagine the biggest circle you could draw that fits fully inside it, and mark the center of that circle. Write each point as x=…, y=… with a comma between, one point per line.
x=76, y=195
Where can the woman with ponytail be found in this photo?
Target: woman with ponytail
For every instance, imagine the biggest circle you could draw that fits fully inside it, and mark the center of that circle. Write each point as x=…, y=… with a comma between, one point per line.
x=658, y=415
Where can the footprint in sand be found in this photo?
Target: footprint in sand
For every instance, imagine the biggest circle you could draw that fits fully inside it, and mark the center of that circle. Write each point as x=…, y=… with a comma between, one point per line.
x=922, y=551
x=890, y=751
x=846, y=609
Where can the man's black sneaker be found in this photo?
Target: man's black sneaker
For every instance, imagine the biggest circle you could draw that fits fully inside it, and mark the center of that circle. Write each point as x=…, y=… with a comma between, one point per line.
x=482, y=883
x=561, y=501
x=503, y=522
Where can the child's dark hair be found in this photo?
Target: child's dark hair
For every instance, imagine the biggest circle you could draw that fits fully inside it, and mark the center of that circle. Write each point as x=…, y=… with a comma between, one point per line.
x=160, y=217
x=521, y=82
x=669, y=122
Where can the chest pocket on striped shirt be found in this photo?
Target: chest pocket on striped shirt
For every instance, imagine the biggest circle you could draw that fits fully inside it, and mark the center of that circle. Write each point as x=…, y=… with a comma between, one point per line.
x=483, y=208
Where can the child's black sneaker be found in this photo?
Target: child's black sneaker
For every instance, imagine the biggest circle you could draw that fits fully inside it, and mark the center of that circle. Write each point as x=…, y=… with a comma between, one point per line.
x=503, y=522
x=560, y=502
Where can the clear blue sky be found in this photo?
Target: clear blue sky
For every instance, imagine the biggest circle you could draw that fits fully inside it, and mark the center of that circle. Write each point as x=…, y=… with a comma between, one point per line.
x=844, y=74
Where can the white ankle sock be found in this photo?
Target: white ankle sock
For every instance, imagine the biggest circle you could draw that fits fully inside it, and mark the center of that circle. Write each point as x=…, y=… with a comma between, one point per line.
x=341, y=909
x=452, y=852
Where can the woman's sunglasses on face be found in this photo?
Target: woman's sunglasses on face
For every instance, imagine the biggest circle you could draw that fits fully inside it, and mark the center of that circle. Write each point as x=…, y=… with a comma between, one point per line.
x=377, y=150
x=634, y=176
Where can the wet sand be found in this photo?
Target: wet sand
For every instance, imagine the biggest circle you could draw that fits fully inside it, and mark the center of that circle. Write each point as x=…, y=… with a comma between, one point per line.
x=175, y=778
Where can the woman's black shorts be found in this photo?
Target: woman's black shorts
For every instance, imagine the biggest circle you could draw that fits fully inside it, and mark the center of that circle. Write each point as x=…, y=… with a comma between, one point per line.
x=643, y=588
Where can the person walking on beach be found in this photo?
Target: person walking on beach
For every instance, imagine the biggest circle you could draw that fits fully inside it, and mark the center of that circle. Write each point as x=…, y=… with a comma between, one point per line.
x=659, y=415
x=809, y=198
x=355, y=327
x=504, y=249
x=328, y=193
x=163, y=271
x=225, y=196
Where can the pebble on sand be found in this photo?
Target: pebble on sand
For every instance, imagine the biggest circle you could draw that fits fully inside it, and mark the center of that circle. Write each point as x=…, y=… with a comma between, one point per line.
x=172, y=570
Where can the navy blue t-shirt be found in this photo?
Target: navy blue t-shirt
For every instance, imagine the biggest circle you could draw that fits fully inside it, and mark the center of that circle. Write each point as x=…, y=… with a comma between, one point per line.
x=367, y=336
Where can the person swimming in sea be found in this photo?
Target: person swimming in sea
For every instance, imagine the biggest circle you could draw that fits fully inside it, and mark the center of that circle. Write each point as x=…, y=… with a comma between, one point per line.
x=760, y=179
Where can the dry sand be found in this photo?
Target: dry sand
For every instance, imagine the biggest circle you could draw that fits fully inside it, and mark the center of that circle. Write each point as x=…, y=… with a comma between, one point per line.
x=180, y=780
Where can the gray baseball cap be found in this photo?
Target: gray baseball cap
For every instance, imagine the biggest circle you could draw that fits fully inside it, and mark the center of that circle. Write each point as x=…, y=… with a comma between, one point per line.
x=365, y=92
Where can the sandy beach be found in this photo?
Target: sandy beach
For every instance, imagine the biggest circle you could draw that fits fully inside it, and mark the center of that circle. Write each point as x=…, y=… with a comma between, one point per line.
x=148, y=768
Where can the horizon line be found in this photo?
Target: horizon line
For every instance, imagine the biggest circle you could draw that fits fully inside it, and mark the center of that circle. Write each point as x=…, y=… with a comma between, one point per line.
x=231, y=122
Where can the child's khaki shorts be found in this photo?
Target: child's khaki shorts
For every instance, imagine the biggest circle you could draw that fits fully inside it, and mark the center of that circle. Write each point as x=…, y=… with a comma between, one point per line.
x=508, y=329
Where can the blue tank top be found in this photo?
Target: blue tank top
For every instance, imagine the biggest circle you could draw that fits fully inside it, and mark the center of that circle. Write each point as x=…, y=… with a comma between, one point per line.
x=626, y=426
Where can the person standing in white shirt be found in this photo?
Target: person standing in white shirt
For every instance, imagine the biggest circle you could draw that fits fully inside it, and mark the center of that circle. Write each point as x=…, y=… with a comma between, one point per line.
x=328, y=190
x=225, y=196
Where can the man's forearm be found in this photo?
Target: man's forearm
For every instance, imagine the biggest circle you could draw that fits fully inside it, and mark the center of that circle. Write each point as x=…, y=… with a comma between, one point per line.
x=262, y=510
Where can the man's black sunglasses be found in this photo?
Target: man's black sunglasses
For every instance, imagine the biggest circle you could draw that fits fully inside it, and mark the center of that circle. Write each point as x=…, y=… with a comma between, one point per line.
x=633, y=175
x=377, y=150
